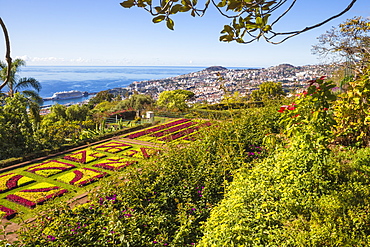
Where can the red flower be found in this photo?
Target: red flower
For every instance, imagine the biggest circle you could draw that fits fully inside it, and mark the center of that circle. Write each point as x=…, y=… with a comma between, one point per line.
x=282, y=108
x=291, y=108
x=325, y=109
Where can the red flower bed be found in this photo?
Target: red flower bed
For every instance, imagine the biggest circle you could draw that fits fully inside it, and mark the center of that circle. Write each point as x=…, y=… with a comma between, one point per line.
x=84, y=156
x=179, y=134
x=11, y=180
x=112, y=147
x=184, y=132
x=33, y=196
x=114, y=164
x=9, y=213
x=49, y=168
x=142, y=152
x=173, y=129
x=81, y=176
x=157, y=128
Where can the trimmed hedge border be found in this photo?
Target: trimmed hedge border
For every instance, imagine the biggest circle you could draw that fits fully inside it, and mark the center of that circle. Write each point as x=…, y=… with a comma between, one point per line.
x=12, y=163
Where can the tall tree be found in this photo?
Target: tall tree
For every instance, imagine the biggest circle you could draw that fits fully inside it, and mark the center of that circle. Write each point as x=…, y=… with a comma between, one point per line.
x=23, y=85
x=268, y=90
x=174, y=100
x=16, y=132
x=349, y=42
x=252, y=20
x=137, y=102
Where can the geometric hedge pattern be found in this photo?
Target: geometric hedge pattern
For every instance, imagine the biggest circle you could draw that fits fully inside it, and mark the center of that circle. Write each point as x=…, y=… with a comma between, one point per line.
x=106, y=157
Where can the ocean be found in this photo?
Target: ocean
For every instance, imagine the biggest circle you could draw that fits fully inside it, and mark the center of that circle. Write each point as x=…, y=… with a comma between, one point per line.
x=94, y=79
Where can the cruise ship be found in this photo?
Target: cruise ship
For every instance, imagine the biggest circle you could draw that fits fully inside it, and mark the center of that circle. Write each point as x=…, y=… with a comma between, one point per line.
x=68, y=95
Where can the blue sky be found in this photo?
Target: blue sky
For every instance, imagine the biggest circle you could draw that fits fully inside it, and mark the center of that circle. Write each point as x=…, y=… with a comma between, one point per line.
x=92, y=32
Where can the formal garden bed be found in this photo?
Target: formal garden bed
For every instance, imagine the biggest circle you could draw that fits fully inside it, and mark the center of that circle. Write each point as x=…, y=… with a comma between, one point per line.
x=112, y=147
x=50, y=168
x=36, y=194
x=81, y=176
x=12, y=180
x=115, y=163
x=78, y=171
x=84, y=156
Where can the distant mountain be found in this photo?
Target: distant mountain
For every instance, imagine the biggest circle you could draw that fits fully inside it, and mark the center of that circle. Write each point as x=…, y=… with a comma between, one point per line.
x=284, y=66
x=215, y=68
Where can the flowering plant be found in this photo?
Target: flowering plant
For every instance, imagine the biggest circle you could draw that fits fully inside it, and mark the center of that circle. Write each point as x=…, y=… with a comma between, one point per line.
x=49, y=168
x=7, y=212
x=84, y=156
x=156, y=128
x=310, y=118
x=81, y=176
x=142, y=152
x=11, y=180
x=112, y=147
x=36, y=194
x=115, y=163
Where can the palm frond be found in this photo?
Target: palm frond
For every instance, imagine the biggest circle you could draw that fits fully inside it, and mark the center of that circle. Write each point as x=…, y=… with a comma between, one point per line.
x=33, y=96
x=17, y=63
x=28, y=82
x=2, y=65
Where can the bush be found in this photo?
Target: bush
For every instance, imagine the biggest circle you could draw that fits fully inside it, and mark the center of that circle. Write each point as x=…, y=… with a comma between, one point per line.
x=295, y=199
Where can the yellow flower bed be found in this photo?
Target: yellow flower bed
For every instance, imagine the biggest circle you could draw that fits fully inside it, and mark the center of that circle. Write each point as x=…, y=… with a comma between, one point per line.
x=49, y=168
x=81, y=176
x=11, y=180
x=84, y=156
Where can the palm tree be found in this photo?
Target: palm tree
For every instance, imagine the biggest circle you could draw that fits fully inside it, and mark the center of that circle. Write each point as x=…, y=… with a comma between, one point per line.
x=16, y=84
x=22, y=85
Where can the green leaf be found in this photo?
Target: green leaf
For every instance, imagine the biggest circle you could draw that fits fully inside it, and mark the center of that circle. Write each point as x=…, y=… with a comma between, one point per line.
x=221, y=4
x=265, y=19
x=127, y=4
x=267, y=28
x=158, y=9
x=226, y=38
x=159, y=18
x=185, y=9
x=176, y=8
x=170, y=23
x=259, y=21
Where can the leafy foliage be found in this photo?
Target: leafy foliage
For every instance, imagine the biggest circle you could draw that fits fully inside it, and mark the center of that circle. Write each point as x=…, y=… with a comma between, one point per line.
x=251, y=19
x=268, y=91
x=16, y=132
x=309, y=119
x=174, y=100
x=352, y=112
x=135, y=101
x=294, y=198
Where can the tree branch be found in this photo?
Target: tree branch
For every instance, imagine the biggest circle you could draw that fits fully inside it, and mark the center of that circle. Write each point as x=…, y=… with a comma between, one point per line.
x=294, y=33
x=7, y=54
